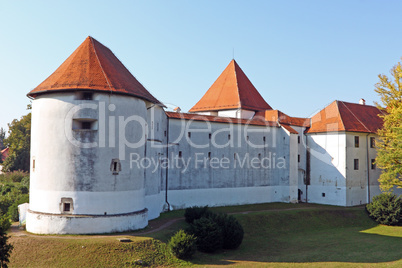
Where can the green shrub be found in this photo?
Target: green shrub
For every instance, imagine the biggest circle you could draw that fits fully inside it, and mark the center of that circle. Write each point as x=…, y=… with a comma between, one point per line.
x=182, y=245
x=386, y=208
x=208, y=233
x=232, y=230
x=194, y=213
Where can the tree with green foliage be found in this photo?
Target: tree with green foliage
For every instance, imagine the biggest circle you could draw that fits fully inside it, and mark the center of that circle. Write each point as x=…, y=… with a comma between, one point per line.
x=2, y=137
x=389, y=147
x=18, y=141
x=5, y=247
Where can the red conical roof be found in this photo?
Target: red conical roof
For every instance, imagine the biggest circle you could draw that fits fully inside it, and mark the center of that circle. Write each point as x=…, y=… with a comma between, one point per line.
x=94, y=67
x=232, y=90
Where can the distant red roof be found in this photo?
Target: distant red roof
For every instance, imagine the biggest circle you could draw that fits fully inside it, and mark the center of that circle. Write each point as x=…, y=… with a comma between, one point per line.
x=4, y=154
x=276, y=115
x=345, y=116
x=94, y=67
x=232, y=90
x=219, y=119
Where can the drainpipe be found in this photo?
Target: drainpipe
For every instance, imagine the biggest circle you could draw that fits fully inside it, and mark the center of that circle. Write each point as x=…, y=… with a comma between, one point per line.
x=307, y=174
x=167, y=166
x=368, y=169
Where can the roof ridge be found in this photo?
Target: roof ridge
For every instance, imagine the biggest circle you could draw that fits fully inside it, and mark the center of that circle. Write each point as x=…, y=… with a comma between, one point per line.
x=237, y=82
x=355, y=117
x=337, y=106
x=100, y=64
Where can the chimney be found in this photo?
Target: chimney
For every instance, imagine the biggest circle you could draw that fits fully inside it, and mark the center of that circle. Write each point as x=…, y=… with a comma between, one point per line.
x=362, y=102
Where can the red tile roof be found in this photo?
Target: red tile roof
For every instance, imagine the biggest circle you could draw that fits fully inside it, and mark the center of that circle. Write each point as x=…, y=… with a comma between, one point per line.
x=345, y=116
x=94, y=67
x=282, y=118
x=232, y=90
x=219, y=119
x=4, y=154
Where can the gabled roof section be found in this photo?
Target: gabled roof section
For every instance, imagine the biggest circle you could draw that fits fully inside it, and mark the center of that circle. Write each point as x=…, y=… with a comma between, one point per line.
x=232, y=90
x=345, y=116
x=93, y=67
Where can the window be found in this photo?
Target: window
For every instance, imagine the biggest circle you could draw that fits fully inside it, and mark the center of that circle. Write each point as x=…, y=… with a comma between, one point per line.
x=229, y=137
x=323, y=194
x=356, y=141
x=234, y=156
x=259, y=156
x=372, y=142
x=209, y=155
x=298, y=139
x=298, y=158
x=356, y=164
x=209, y=135
x=84, y=124
x=165, y=133
x=66, y=205
x=373, y=165
x=115, y=166
x=87, y=96
x=189, y=134
x=180, y=154
x=263, y=138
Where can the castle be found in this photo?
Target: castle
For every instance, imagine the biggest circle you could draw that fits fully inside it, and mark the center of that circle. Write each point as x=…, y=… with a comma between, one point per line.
x=107, y=157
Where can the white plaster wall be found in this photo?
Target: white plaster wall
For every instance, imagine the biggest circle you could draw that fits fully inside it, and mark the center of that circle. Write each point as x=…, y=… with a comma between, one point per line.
x=328, y=168
x=76, y=163
x=237, y=113
x=67, y=224
x=229, y=165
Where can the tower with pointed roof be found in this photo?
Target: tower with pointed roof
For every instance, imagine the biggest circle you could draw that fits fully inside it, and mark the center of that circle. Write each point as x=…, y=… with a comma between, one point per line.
x=81, y=180
x=231, y=95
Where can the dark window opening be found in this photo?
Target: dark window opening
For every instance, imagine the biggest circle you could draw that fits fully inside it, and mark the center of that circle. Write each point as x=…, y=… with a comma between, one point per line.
x=189, y=134
x=356, y=164
x=180, y=154
x=229, y=137
x=263, y=138
x=209, y=135
x=87, y=96
x=298, y=158
x=372, y=142
x=115, y=166
x=165, y=133
x=259, y=156
x=298, y=139
x=85, y=125
x=66, y=207
x=323, y=194
x=373, y=165
x=356, y=141
x=209, y=155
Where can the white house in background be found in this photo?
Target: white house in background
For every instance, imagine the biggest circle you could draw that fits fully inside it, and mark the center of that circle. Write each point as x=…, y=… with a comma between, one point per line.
x=107, y=157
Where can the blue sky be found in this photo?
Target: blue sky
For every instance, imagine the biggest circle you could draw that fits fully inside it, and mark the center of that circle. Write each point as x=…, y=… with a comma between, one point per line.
x=300, y=55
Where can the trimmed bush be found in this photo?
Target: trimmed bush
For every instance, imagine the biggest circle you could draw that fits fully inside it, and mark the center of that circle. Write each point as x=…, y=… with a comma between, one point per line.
x=194, y=213
x=182, y=245
x=386, y=208
x=232, y=230
x=209, y=234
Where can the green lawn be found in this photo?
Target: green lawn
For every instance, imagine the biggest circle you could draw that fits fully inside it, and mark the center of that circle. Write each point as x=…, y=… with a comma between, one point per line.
x=304, y=236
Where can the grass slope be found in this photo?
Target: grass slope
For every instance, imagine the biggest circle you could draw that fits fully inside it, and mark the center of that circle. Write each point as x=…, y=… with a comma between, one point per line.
x=319, y=236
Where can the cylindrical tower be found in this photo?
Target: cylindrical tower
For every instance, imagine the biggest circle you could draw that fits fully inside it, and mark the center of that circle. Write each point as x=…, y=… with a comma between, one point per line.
x=88, y=121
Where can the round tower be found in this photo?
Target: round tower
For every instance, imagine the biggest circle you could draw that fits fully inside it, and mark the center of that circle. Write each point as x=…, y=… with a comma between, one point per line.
x=88, y=118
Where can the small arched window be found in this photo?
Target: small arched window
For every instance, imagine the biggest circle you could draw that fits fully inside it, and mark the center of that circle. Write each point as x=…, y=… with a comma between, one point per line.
x=115, y=166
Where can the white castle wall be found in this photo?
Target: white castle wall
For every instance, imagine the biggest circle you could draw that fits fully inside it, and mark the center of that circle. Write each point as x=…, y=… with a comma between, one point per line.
x=328, y=168
x=75, y=164
x=218, y=170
